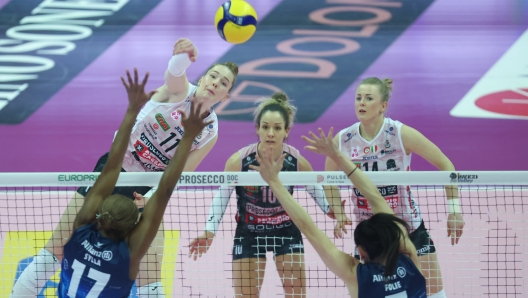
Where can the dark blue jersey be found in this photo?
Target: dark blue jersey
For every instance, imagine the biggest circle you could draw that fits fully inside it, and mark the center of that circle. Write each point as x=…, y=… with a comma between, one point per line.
x=407, y=280
x=94, y=266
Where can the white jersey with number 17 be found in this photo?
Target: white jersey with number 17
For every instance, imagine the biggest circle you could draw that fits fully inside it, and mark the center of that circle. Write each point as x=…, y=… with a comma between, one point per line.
x=157, y=133
x=383, y=153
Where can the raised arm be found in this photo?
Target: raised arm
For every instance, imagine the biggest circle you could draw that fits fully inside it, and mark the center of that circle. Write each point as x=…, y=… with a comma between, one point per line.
x=326, y=146
x=107, y=179
x=337, y=261
x=144, y=232
x=176, y=82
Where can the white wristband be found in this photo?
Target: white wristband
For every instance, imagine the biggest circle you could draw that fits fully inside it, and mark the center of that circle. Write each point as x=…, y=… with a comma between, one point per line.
x=178, y=64
x=453, y=206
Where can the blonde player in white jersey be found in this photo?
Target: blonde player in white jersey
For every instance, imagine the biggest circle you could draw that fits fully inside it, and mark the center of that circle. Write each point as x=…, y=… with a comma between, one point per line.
x=377, y=143
x=155, y=136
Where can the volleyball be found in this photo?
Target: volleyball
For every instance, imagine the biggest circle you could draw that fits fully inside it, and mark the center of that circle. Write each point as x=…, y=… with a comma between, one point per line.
x=236, y=21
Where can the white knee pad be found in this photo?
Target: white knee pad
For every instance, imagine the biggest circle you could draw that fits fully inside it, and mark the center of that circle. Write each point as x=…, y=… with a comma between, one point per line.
x=440, y=294
x=153, y=290
x=37, y=273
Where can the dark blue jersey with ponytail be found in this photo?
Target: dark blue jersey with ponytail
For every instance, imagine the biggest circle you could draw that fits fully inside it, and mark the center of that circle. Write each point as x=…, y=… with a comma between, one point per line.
x=407, y=281
x=94, y=266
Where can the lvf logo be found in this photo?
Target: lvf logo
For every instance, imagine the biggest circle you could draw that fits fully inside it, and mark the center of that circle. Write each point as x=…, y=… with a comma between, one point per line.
x=238, y=249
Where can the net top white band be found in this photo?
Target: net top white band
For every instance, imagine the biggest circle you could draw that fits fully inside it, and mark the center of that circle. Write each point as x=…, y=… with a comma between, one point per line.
x=288, y=178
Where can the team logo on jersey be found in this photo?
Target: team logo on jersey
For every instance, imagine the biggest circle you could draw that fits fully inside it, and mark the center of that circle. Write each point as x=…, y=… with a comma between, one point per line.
x=355, y=152
x=370, y=149
x=387, y=144
x=161, y=121
x=175, y=115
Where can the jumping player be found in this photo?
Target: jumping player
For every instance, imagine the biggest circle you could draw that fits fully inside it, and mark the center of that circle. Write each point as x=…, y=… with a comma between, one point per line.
x=154, y=138
x=377, y=143
x=390, y=265
x=262, y=223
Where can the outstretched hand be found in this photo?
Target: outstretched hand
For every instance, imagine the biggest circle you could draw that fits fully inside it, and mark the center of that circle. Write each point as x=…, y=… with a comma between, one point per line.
x=194, y=124
x=136, y=91
x=323, y=144
x=455, y=227
x=184, y=45
x=268, y=168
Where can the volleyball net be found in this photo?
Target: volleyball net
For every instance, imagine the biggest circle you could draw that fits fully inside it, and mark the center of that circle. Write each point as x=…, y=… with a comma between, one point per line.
x=488, y=261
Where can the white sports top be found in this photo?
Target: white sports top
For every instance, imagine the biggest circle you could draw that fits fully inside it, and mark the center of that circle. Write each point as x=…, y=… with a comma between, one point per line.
x=383, y=153
x=157, y=133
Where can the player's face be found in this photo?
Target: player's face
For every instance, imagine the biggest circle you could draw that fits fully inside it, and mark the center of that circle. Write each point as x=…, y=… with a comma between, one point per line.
x=368, y=103
x=214, y=86
x=271, y=130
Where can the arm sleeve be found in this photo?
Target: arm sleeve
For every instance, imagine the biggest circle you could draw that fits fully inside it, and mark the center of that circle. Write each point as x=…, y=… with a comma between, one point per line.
x=218, y=207
x=178, y=64
x=317, y=193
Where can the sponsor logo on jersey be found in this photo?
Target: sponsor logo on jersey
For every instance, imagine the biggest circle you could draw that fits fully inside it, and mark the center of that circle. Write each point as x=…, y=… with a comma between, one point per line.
x=370, y=157
x=388, y=190
x=261, y=211
x=389, y=131
x=253, y=189
x=105, y=255
x=355, y=152
x=155, y=126
x=387, y=152
x=290, y=161
x=297, y=245
x=150, y=146
x=391, y=165
x=349, y=136
x=462, y=178
x=150, y=132
x=179, y=130
x=393, y=202
x=161, y=121
x=270, y=220
x=371, y=149
x=387, y=144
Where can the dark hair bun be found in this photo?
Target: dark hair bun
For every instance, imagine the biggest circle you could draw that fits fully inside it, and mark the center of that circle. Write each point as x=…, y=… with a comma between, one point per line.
x=280, y=96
